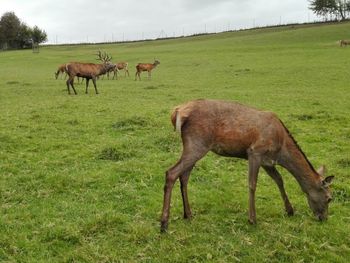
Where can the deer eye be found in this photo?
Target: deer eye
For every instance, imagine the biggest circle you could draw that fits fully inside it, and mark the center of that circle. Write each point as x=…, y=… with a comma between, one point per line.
x=329, y=200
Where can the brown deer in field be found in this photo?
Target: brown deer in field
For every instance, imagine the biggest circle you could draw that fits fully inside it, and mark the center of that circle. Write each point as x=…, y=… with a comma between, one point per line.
x=234, y=130
x=117, y=67
x=88, y=71
x=145, y=67
x=61, y=69
x=121, y=66
x=344, y=42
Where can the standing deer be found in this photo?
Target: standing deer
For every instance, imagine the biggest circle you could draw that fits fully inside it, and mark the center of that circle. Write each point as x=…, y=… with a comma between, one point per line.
x=88, y=71
x=344, y=42
x=234, y=130
x=145, y=67
x=121, y=66
x=117, y=67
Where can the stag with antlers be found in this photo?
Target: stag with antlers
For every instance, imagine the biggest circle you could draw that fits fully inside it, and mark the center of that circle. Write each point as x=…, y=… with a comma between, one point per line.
x=88, y=71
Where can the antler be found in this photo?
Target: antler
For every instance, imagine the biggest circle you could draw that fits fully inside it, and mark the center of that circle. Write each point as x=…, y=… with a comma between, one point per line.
x=103, y=57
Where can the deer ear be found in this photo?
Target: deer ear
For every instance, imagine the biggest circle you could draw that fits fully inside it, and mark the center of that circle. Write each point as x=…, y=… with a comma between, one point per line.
x=322, y=170
x=328, y=181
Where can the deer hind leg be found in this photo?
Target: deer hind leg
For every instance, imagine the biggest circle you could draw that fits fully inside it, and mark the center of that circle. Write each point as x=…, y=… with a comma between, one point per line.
x=183, y=185
x=181, y=169
x=276, y=176
x=254, y=161
x=70, y=82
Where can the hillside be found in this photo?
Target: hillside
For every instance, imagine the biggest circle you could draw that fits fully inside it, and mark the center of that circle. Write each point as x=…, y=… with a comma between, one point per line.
x=81, y=177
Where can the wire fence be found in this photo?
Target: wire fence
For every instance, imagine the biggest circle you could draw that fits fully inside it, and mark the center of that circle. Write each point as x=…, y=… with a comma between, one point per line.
x=121, y=37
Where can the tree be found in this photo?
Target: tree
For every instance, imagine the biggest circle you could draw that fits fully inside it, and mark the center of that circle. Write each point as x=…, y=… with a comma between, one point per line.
x=339, y=8
x=38, y=35
x=9, y=29
x=16, y=34
x=24, y=36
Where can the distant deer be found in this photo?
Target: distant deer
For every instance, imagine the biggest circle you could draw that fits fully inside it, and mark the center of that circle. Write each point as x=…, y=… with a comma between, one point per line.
x=234, y=130
x=117, y=67
x=61, y=69
x=344, y=42
x=121, y=66
x=145, y=67
x=88, y=71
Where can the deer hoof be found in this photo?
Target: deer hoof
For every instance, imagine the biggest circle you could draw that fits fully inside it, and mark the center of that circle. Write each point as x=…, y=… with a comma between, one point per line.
x=163, y=227
x=290, y=211
x=188, y=216
x=252, y=221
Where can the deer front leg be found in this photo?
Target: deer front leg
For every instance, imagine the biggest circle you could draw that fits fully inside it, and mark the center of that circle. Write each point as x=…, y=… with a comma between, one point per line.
x=87, y=85
x=94, y=82
x=254, y=165
x=276, y=176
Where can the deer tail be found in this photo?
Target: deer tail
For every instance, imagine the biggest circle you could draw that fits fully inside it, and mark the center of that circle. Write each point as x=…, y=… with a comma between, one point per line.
x=178, y=118
x=178, y=123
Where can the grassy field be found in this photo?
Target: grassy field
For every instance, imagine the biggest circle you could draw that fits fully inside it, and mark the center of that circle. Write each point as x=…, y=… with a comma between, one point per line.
x=81, y=177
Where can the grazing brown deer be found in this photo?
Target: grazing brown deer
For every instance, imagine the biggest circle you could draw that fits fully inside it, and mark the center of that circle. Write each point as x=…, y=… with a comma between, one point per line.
x=121, y=66
x=344, y=42
x=88, y=71
x=61, y=69
x=234, y=130
x=145, y=67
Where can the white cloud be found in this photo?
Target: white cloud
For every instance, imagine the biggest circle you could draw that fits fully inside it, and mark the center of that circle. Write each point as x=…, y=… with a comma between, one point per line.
x=90, y=20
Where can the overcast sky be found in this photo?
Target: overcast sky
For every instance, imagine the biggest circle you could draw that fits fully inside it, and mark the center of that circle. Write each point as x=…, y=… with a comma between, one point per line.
x=73, y=21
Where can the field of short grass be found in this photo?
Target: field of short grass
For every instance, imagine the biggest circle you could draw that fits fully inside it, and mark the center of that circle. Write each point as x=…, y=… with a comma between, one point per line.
x=81, y=177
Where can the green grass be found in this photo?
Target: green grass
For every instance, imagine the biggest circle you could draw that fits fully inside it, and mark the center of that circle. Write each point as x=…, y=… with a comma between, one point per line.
x=81, y=177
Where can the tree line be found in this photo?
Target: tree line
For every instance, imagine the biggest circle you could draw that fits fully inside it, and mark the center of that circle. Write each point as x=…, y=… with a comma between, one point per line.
x=333, y=9
x=15, y=34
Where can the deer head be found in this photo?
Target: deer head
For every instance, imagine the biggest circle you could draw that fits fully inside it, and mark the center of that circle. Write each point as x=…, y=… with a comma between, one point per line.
x=156, y=62
x=320, y=197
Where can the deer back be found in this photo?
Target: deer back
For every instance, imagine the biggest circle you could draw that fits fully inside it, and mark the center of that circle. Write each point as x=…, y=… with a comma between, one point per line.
x=228, y=128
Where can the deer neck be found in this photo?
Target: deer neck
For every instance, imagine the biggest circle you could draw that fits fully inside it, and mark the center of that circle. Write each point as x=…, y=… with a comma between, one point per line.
x=295, y=161
x=103, y=68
